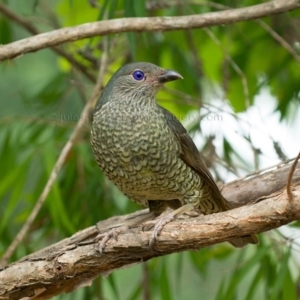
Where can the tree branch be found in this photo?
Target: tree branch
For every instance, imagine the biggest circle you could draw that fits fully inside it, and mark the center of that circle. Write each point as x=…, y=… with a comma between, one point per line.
x=260, y=184
x=76, y=261
x=290, y=177
x=29, y=27
x=101, y=28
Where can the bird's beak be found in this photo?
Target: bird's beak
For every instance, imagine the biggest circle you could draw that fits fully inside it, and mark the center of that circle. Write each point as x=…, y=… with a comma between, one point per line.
x=169, y=75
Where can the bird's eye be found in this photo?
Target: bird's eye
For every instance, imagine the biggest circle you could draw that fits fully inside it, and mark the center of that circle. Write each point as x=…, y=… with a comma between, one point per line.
x=138, y=75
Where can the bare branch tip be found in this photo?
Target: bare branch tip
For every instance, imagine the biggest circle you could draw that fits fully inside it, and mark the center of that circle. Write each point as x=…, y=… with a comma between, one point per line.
x=290, y=177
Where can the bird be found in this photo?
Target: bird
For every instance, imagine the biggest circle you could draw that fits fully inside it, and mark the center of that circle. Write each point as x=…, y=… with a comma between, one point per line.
x=148, y=154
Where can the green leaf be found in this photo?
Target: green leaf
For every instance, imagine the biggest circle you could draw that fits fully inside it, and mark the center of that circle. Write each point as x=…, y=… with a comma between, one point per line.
x=5, y=31
x=277, y=288
x=245, y=265
x=289, y=287
x=165, y=290
x=58, y=210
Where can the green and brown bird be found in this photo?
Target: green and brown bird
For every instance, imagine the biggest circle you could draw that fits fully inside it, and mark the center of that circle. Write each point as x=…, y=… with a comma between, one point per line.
x=147, y=153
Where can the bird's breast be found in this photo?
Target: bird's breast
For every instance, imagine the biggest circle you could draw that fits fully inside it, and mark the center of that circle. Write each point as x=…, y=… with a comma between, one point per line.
x=132, y=140
x=139, y=153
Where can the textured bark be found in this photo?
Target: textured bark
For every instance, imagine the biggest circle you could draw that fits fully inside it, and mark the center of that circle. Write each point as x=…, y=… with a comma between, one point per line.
x=76, y=261
x=68, y=34
x=259, y=184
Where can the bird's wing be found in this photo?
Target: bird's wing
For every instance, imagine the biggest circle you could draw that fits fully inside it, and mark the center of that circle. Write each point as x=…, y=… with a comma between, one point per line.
x=191, y=155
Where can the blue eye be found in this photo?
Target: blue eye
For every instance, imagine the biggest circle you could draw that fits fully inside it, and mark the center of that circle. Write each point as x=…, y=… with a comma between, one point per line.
x=138, y=75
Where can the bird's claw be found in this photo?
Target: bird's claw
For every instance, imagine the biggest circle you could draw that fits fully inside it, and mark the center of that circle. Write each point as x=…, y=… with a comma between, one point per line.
x=105, y=237
x=149, y=225
x=152, y=241
x=158, y=227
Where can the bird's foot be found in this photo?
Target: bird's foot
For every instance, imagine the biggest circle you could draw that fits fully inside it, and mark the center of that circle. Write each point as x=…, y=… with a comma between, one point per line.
x=158, y=227
x=119, y=228
x=163, y=219
x=103, y=238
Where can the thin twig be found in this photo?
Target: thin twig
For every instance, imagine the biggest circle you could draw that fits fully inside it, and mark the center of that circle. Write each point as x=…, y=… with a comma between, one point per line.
x=196, y=60
x=59, y=163
x=289, y=179
x=280, y=40
x=233, y=64
x=29, y=27
x=161, y=5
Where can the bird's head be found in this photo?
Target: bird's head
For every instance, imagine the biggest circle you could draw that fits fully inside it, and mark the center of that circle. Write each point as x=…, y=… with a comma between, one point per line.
x=139, y=79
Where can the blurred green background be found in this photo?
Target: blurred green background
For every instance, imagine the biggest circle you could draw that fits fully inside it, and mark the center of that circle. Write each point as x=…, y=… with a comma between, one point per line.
x=239, y=100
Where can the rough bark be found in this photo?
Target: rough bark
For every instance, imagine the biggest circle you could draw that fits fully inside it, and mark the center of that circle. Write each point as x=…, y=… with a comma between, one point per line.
x=76, y=261
x=57, y=37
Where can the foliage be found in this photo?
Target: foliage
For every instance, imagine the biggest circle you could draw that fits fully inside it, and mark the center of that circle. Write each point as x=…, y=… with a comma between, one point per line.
x=42, y=96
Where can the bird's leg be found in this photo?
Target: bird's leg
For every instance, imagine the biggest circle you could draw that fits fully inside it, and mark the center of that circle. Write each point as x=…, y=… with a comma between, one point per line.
x=157, y=206
x=103, y=238
x=166, y=218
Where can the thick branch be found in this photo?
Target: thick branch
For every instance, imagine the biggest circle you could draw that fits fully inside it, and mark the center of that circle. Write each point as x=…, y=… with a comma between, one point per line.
x=75, y=262
x=63, y=35
x=259, y=184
